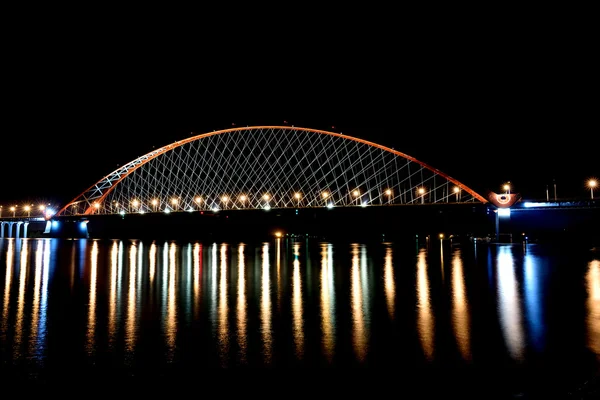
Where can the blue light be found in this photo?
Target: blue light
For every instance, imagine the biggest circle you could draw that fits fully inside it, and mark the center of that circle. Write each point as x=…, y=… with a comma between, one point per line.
x=83, y=225
x=504, y=212
x=55, y=224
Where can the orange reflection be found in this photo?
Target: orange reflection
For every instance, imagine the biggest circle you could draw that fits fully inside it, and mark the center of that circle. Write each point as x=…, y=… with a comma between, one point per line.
x=115, y=254
x=358, y=318
x=265, y=304
x=298, y=322
x=35, y=312
x=389, y=283
x=130, y=330
x=223, y=306
x=92, y=303
x=327, y=300
x=509, y=303
x=7, y=283
x=197, y=276
x=593, y=306
x=171, y=320
x=21, y=299
x=460, y=313
x=152, y=262
x=278, y=266
x=426, y=321
x=241, y=303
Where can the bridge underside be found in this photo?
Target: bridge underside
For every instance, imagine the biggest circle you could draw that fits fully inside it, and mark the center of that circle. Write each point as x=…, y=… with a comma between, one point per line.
x=380, y=223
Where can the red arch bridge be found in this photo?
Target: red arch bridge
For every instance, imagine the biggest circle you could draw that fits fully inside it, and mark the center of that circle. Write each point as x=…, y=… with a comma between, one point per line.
x=281, y=169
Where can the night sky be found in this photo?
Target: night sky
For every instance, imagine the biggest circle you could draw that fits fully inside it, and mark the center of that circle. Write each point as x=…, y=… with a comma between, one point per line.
x=485, y=104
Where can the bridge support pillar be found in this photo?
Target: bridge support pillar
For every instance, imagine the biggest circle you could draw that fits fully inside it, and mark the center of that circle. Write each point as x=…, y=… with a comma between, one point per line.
x=68, y=229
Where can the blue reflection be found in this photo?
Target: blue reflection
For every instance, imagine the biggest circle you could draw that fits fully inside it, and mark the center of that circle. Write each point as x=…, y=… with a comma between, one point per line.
x=534, y=282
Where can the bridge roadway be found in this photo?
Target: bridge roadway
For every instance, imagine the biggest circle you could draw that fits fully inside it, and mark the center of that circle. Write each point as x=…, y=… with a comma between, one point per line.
x=534, y=220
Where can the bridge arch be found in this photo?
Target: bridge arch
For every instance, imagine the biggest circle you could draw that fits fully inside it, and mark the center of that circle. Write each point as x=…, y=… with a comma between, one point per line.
x=268, y=167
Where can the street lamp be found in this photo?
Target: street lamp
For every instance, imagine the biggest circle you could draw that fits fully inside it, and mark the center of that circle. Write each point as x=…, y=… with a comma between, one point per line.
x=0, y=211
x=507, y=187
x=421, y=192
x=174, y=203
x=356, y=193
x=28, y=209
x=388, y=193
x=457, y=191
x=592, y=184
x=154, y=203
x=297, y=196
x=225, y=199
x=14, y=210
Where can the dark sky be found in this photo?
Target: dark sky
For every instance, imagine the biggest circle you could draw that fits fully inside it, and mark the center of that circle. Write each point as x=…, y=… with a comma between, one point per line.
x=495, y=101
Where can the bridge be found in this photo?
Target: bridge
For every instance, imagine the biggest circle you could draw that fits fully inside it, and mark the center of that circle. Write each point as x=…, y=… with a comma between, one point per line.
x=292, y=171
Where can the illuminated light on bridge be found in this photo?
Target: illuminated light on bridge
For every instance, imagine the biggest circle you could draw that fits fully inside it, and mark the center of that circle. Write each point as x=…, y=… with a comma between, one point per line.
x=266, y=166
x=592, y=184
x=504, y=212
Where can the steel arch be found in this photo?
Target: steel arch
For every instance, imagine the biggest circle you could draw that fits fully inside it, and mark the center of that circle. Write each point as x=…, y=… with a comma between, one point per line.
x=378, y=182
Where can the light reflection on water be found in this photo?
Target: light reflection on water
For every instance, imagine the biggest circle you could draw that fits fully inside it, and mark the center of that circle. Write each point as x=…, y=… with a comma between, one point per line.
x=253, y=304
x=593, y=306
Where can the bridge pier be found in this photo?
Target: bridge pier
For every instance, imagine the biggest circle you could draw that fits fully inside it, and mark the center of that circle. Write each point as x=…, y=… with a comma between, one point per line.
x=22, y=228
x=10, y=224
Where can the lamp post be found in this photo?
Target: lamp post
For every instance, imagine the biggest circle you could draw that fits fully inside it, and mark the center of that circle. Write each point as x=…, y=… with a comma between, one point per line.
x=14, y=210
x=457, y=191
x=388, y=193
x=356, y=194
x=592, y=184
x=297, y=196
x=325, y=196
x=0, y=211
x=28, y=209
x=225, y=199
x=421, y=192
x=507, y=188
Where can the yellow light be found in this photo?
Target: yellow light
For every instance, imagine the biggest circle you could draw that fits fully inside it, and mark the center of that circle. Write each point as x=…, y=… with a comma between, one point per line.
x=27, y=208
x=356, y=193
x=12, y=208
x=421, y=190
x=592, y=183
x=243, y=197
x=297, y=195
x=225, y=199
x=325, y=195
x=198, y=199
x=388, y=192
x=173, y=201
x=441, y=235
x=266, y=197
x=278, y=234
x=97, y=205
x=42, y=207
x=456, y=189
x=135, y=203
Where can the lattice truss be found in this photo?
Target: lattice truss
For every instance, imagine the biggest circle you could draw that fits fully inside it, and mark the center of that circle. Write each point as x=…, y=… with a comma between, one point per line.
x=268, y=167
